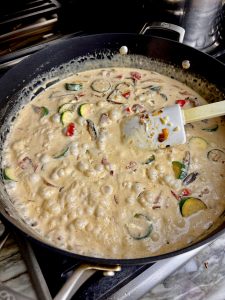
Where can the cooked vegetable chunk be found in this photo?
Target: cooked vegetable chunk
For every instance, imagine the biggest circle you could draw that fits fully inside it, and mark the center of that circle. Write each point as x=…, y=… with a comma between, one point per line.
x=190, y=206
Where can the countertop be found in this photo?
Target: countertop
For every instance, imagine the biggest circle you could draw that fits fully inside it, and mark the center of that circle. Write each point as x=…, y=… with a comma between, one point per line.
x=203, y=277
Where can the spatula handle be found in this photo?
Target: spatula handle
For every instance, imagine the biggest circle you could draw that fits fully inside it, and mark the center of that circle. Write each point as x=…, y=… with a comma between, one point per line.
x=204, y=112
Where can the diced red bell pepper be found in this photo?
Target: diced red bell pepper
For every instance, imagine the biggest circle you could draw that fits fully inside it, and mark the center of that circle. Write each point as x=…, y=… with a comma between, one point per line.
x=181, y=102
x=126, y=94
x=70, y=129
x=185, y=192
x=128, y=109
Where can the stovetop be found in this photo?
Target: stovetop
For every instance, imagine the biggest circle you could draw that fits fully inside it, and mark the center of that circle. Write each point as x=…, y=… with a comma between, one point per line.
x=50, y=271
x=98, y=287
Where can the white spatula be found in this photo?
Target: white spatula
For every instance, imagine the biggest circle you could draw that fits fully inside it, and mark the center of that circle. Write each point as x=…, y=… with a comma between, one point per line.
x=165, y=127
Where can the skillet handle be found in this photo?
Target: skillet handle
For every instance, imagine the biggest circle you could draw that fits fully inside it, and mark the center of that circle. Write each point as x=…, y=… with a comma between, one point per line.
x=163, y=26
x=79, y=276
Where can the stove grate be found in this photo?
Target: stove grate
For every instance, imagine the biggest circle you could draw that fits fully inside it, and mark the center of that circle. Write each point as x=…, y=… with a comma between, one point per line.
x=24, y=10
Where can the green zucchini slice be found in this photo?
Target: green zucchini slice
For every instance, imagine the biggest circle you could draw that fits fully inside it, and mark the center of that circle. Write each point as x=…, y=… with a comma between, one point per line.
x=8, y=174
x=179, y=169
x=67, y=106
x=84, y=110
x=140, y=227
x=101, y=85
x=62, y=153
x=73, y=86
x=67, y=117
x=199, y=143
x=190, y=206
x=118, y=95
x=216, y=155
x=211, y=128
x=44, y=111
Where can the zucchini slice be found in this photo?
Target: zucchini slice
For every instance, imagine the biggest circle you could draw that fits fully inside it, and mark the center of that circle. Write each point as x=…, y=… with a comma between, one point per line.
x=140, y=227
x=67, y=117
x=67, y=106
x=211, y=128
x=198, y=143
x=101, y=85
x=120, y=94
x=190, y=206
x=124, y=87
x=179, y=169
x=84, y=110
x=44, y=111
x=8, y=174
x=73, y=86
x=41, y=110
x=62, y=153
x=216, y=155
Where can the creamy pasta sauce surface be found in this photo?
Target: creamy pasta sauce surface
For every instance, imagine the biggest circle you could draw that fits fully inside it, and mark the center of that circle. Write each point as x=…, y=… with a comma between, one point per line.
x=74, y=180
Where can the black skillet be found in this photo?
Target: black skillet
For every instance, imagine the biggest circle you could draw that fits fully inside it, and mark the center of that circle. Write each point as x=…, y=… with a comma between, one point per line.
x=95, y=46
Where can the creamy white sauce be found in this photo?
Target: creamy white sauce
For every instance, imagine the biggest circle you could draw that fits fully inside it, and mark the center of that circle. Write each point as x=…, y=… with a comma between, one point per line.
x=89, y=192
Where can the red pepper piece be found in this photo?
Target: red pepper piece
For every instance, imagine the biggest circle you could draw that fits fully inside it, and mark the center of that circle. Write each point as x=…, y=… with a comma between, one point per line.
x=128, y=109
x=70, y=129
x=126, y=94
x=161, y=137
x=185, y=192
x=164, y=135
x=135, y=75
x=181, y=102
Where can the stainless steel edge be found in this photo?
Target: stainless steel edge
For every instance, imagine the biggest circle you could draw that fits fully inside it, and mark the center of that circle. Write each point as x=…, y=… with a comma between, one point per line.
x=154, y=275
x=79, y=276
x=164, y=26
x=34, y=270
x=74, y=283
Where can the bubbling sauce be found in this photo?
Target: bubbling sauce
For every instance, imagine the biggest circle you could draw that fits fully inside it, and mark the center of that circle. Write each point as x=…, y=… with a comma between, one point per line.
x=79, y=186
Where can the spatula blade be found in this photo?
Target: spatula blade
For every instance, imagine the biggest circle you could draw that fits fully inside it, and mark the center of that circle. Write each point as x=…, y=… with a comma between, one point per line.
x=159, y=129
